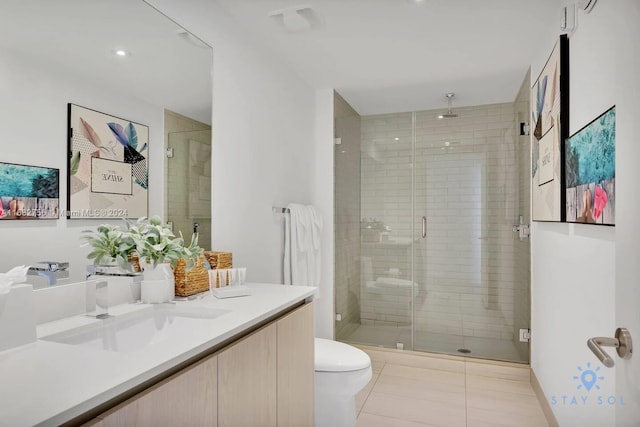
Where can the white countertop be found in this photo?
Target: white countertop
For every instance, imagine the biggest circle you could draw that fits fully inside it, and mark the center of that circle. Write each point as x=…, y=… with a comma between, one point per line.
x=49, y=383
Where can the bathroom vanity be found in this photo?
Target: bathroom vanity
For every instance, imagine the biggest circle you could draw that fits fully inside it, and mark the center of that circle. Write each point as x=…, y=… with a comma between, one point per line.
x=207, y=361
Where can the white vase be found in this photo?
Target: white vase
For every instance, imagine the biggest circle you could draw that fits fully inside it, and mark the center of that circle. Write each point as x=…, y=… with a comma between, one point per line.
x=158, y=285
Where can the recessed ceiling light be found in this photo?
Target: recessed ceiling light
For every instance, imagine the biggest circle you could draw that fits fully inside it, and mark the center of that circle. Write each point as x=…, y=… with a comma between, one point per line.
x=397, y=139
x=121, y=52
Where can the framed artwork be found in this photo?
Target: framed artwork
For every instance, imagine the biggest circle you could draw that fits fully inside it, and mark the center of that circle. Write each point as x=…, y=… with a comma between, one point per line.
x=550, y=125
x=29, y=192
x=108, y=166
x=590, y=165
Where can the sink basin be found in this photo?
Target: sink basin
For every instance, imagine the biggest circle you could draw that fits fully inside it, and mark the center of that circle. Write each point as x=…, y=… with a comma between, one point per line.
x=137, y=330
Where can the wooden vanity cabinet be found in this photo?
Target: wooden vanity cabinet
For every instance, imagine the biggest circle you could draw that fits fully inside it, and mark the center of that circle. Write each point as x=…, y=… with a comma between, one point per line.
x=247, y=388
x=186, y=398
x=266, y=379
x=296, y=368
x=263, y=379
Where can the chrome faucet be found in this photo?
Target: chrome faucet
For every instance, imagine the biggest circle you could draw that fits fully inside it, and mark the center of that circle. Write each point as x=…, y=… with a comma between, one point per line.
x=101, y=299
x=50, y=270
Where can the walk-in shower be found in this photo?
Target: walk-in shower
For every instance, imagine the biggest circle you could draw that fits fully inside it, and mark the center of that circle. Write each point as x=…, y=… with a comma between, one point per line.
x=426, y=254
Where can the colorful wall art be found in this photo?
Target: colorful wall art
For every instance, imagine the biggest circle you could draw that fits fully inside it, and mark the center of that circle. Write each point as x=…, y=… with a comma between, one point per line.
x=590, y=165
x=28, y=192
x=108, y=166
x=550, y=124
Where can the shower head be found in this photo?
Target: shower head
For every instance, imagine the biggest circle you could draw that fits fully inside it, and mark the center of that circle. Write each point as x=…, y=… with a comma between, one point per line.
x=449, y=114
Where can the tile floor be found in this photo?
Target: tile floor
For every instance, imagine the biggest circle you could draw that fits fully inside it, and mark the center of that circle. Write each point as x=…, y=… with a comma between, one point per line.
x=419, y=389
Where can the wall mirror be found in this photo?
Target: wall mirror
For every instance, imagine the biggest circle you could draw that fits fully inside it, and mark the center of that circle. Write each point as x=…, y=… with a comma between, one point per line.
x=66, y=51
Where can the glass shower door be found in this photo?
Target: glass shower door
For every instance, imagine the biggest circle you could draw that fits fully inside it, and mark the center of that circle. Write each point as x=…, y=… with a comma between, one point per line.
x=466, y=195
x=384, y=296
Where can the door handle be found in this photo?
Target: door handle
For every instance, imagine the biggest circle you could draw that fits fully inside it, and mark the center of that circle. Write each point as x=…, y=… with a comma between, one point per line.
x=424, y=227
x=621, y=342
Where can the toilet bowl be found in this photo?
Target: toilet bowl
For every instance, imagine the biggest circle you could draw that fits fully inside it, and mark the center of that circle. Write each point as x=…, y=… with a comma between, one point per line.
x=341, y=371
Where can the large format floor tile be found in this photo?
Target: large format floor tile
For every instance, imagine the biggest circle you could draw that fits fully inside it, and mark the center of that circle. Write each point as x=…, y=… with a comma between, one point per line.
x=419, y=389
x=415, y=409
x=370, y=420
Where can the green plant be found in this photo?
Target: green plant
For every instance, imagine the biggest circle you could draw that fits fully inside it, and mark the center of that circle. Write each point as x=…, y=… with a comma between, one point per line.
x=155, y=242
x=110, y=242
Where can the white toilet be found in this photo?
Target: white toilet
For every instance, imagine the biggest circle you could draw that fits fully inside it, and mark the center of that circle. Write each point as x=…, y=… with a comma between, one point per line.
x=341, y=372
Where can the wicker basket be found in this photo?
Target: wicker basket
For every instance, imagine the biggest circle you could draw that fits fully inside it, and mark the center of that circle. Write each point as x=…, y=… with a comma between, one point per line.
x=191, y=281
x=219, y=259
x=135, y=262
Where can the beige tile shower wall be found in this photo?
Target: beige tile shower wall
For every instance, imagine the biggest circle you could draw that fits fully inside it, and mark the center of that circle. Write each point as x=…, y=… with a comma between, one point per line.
x=177, y=176
x=386, y=176
x=522, y=253
x=467, y=189
x=347, y=216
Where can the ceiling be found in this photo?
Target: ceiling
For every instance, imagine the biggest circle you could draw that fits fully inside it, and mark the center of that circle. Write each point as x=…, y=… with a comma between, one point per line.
x=381, y=55
x=403, y=55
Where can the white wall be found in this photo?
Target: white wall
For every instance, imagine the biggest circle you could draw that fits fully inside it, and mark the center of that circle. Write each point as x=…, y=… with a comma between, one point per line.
x=573, y=266
x=33, y=131
x=271, y=133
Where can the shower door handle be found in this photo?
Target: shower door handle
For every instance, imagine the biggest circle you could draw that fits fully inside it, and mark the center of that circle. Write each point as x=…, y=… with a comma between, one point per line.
x=424, y=227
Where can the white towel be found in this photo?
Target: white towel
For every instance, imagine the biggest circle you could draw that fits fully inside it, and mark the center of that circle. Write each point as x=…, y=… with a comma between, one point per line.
x=302, y=246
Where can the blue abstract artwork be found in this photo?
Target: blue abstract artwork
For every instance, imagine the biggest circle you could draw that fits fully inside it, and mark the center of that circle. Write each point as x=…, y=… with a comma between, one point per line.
x=28, y=192
x=590, y=167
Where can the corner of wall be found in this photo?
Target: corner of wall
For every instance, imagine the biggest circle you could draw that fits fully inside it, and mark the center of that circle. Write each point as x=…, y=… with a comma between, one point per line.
x=544, y=402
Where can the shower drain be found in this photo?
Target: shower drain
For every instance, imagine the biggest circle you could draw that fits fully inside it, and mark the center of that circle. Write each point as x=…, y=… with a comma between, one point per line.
x=464, y=350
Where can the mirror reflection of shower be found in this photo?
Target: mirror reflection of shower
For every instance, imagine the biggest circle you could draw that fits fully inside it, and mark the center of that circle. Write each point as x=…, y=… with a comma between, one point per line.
x=188, y=185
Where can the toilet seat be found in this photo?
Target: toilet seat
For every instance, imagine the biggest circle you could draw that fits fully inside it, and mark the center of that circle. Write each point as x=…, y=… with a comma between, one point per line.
x=334, y=356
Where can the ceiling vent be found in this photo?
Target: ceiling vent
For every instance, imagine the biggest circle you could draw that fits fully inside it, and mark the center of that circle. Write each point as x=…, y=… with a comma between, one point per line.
x=294, y=19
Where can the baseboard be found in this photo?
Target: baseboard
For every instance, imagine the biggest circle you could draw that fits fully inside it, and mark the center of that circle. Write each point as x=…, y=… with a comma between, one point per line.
x=544, y=402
